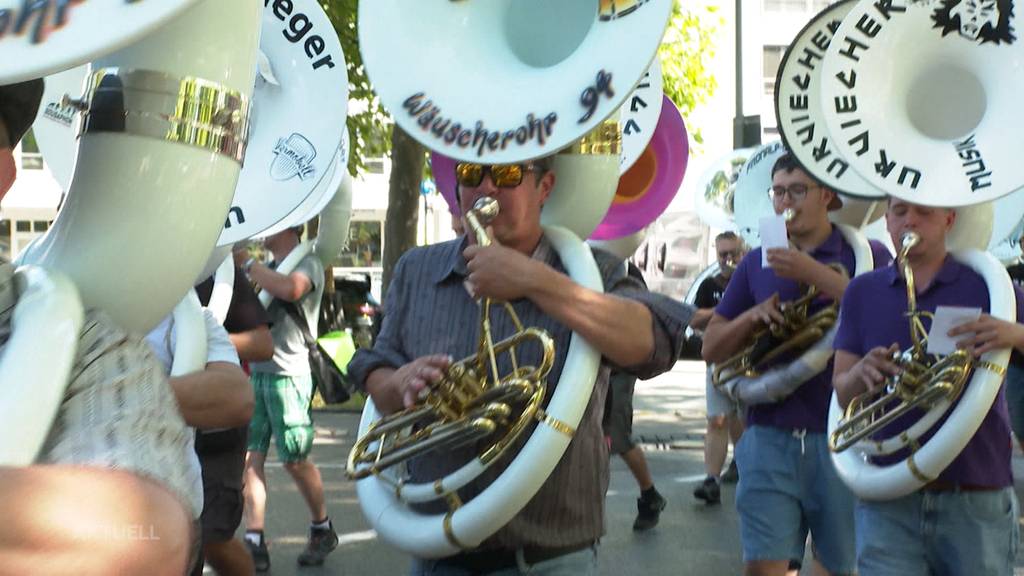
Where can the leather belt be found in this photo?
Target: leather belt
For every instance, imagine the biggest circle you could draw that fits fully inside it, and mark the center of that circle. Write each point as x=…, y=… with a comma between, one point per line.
x=487, y=561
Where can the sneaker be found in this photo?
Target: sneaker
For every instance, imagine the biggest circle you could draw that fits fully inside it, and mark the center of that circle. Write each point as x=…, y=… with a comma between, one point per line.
x=260, y=554
x=708, y=491
x=732, y=474
x=648, y=512
x=321, y=543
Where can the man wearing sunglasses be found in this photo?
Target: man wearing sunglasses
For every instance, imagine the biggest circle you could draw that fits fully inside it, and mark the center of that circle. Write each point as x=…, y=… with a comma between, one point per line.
x=787, y=482
x=432, y=316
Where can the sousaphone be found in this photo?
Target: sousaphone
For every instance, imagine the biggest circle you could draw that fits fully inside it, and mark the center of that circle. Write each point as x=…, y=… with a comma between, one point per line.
x=552, y=73
x=916, y=98
x=164, y=130
x=296, y=130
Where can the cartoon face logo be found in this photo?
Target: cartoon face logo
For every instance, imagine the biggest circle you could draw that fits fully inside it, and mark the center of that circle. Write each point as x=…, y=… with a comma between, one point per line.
x=976, y=20
x=293, y=157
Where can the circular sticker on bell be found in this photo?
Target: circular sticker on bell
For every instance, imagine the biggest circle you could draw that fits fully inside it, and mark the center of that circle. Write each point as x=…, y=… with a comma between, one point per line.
x=298, y=117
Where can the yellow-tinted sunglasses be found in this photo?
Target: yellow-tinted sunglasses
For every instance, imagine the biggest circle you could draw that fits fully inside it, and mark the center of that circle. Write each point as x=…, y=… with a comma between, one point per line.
x=503, y=175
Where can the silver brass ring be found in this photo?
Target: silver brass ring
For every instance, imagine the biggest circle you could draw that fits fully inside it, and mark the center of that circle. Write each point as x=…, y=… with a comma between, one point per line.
x=186, y=110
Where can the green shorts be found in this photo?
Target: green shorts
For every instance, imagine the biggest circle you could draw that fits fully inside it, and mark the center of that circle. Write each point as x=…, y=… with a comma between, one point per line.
x=282, y=410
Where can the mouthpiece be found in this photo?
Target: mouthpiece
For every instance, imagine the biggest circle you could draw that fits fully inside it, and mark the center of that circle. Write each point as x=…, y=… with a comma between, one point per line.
x=483, y=212
x=788, y=214
x=908, y=240
x=486, y=209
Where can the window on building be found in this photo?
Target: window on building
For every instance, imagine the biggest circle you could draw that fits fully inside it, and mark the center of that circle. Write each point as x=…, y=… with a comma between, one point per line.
x=22, y=226
x=31, y=159
x=786, y=5
x=364, y=249
x=819, y=5
x=771, y=61
x=375, y=165
x=40, y=225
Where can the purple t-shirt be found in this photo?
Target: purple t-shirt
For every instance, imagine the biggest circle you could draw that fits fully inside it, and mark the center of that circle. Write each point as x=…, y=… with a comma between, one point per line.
x=751, y=284
x=872, y=315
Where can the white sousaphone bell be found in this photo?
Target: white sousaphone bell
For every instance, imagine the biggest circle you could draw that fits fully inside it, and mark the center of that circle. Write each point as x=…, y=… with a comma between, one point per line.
x=918, y=98
x=507, y=82
x=798, y=106
x=296, y=131
x=647, y=188
x=164, y=131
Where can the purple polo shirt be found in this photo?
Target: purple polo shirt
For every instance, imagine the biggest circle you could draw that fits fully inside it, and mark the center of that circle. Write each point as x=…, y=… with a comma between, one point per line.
x=872, y=315
x=807, y=408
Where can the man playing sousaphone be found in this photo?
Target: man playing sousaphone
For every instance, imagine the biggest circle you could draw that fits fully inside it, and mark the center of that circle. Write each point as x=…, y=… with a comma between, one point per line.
x=965, y=521
x=787, y=482
x=432, y=315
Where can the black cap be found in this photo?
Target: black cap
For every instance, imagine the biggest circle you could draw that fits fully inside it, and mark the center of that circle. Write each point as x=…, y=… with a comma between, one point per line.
x=18, y=106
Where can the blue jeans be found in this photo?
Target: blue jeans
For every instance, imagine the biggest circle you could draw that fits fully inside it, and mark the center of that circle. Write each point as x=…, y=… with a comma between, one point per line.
x=580, y=563
x=939, y=533
x=788, y=486
x=1015, y=399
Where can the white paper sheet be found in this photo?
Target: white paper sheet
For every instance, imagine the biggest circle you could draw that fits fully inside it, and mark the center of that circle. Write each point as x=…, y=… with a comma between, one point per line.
x=773, y=235
x=946, y=318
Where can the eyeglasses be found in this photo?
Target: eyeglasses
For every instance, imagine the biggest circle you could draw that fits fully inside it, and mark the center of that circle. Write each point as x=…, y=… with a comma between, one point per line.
x=503, y=175
x=729, y=254
x=796, y=191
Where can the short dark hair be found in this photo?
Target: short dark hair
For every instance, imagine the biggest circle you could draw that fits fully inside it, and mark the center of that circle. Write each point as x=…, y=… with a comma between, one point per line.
x=788, y=163
x=727, y=235
x=18, y=106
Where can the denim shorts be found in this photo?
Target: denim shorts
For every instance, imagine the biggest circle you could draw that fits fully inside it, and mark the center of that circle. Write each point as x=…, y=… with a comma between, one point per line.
x=788, y=486
x=718, y=404
x=1015, y=399
x=951, y=533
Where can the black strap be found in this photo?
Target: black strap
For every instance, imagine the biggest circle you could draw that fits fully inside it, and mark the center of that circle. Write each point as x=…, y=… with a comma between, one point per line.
x=300, y=319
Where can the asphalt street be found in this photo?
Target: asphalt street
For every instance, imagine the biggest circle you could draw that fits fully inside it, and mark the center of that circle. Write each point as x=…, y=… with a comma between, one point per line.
x=692, y=538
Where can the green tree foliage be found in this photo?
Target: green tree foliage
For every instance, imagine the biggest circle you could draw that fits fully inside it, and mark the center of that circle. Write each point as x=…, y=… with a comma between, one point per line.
x=686, y=52
x=369, y=127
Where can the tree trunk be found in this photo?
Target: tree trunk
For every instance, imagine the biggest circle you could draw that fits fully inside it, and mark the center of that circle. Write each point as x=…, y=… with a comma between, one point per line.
x=407, y=158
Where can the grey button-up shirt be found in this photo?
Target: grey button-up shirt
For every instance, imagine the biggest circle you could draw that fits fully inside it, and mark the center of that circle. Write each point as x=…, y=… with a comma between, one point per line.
x=428, y=311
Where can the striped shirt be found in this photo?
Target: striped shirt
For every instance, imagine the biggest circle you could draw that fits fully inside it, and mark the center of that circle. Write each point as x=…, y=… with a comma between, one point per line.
x=428, y=311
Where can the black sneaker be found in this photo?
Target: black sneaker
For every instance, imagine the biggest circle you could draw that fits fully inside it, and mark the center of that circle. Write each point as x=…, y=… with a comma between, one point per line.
x=260, y=554
x=648, y=512
x=321, y=543
x=708, y=491
x=732, y=474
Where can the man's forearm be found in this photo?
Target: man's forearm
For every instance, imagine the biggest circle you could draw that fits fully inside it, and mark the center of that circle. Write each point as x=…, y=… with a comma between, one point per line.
x=620, y=329
x=280, y=286
x=254, y=345
x=386, y=397
x=218, y=397
x=829, y=281
x=724, y=338
x=701, y=318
